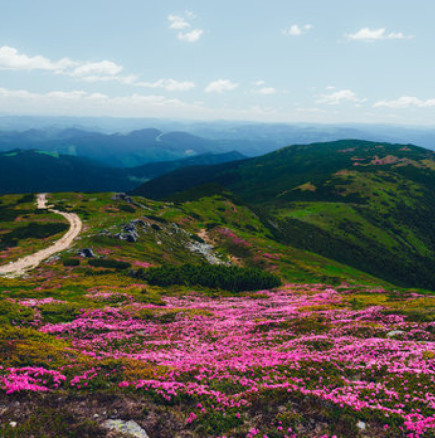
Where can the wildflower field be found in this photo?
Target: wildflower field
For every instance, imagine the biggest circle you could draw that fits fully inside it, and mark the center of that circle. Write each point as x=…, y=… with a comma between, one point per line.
x=82, y=344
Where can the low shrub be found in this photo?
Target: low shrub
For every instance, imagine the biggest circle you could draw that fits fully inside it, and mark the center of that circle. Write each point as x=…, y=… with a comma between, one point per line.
x=127, y=208
x=33, y=230
x=231, y=278
x=60, y=312
x=71, y=262
x=109, y=263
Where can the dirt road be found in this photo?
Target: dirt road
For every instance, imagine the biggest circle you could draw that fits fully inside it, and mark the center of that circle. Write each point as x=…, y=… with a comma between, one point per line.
x=19, y=267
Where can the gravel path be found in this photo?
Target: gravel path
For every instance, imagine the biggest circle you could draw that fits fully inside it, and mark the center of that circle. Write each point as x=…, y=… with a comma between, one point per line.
x=19, y=267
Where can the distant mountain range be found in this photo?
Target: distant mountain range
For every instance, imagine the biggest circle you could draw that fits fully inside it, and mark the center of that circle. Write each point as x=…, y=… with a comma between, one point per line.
x=126, y=143
x=249, y=138
x=23, y=171
x=116, y=150
x=369, y=205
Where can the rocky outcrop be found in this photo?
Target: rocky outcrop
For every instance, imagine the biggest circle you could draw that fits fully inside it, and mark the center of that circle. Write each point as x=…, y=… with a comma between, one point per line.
x=205, y=250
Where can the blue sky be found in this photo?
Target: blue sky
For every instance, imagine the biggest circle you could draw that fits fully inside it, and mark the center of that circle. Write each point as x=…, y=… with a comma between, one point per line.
x=331, y=61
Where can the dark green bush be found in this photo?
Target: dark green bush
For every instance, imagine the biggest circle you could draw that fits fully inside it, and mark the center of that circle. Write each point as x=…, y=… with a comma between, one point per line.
x=162, y=220
x=71, y=262
x=109, y=263
x=127, y=208
x=60, y=312
x=33, y=230
x=231, y=278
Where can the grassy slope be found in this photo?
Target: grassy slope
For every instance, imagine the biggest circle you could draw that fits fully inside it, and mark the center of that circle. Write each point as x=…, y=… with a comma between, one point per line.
x=209, y=215
x=365, y=204
x=311, y=319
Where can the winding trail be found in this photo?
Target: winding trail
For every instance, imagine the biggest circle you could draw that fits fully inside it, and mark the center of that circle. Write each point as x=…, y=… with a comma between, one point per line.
x=19, y=267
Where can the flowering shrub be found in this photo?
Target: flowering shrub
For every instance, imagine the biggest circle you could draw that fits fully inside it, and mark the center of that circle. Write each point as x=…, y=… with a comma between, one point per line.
x=226, y=358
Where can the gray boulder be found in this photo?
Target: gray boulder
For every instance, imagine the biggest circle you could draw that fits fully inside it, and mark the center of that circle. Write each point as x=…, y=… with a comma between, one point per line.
x=86, y=253
x=128, y=427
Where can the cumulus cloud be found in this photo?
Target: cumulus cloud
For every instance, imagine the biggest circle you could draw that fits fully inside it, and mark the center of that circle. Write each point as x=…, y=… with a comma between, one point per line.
x=258, y=83
x=220, y=86
x=178, y=23
x=371, y=35
x=169, y=85
x=259, y=88
x=11, y=59
x=405, y=102
x=100, y=71
x=103, y=68
x=182, y=23
x=340, y=96
x=190, y=37
x=296, y=30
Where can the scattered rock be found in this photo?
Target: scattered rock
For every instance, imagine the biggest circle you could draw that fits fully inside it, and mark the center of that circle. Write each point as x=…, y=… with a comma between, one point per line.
x=127, y=427
x=86, y=253
x=130, y=228
x=205, y=250
x=140, y=222
x=128, y=237
x=130, y=232
x=361, y=425
x=122, y=197
x=395, y=333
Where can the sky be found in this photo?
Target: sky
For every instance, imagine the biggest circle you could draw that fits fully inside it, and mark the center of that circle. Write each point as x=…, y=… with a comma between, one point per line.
x=315, y=61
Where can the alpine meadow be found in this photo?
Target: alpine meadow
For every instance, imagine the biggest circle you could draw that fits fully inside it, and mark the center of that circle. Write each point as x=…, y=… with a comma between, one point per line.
x=217, y=219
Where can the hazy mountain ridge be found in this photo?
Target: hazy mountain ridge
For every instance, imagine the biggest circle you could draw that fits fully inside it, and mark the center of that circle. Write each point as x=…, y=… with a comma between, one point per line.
x=116, y=150
x=29, y=171
x=133, y=142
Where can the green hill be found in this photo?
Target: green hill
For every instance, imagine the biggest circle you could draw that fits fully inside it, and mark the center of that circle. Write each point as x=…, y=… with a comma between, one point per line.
x=24, y=171
x=369, y=205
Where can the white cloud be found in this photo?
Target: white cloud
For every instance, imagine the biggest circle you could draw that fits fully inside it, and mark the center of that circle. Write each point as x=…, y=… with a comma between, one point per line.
x=85, y=103
x=370, y=35
x=190, y=37
x=405, y=102
x=127, y=80
x=266, y=90
x=102, y=68
x=296, y=30
x=340, y=96
x=183, y=24
x=259, y=88
x=258, y=83
x=101, y=71
x=177, y=22
x=220, y=86
x=10, y=59
x=168, y=85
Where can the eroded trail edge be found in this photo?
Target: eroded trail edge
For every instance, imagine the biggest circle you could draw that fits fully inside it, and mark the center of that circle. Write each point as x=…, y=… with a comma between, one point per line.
x=29, y=262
